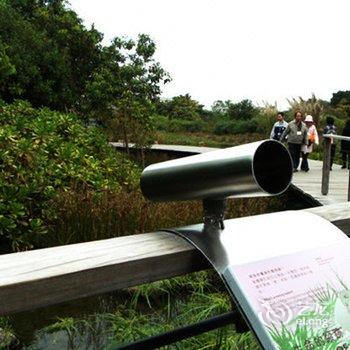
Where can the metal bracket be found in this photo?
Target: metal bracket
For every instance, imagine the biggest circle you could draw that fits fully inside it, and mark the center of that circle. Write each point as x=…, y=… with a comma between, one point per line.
x=214, y=212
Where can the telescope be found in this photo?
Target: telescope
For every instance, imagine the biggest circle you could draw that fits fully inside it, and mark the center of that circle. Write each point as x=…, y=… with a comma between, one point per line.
x=257, y=169
x=262, y=168
x=261, y=259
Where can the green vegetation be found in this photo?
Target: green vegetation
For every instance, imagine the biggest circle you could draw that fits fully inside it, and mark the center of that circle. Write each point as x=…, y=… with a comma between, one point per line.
x=121, y=90
x=7, y=338
x=205, y=139
x=44, y=154
x=50, y=59
x=46, y=54
x=241, y=118
x=151, y=309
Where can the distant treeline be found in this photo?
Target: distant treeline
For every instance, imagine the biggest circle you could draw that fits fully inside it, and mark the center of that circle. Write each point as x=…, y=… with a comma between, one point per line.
x=184, y=114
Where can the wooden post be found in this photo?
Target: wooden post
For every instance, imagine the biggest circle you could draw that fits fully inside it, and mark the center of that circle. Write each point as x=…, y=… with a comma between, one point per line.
x=326, y=165
x=349, y=188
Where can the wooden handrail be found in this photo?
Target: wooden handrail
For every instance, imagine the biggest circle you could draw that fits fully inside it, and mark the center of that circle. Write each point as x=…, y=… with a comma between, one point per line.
x=47, y=276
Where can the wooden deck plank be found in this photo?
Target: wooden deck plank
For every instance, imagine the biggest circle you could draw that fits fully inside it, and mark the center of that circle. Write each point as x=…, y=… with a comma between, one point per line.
x=310, y=183
x=169, y=148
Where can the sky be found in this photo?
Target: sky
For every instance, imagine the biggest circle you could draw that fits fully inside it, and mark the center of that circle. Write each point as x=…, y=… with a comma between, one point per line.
x=263, y=50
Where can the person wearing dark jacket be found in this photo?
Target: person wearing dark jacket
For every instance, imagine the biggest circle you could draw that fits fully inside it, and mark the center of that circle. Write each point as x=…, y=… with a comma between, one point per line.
x=345, y=146
x=279, y=127
x=330, y=129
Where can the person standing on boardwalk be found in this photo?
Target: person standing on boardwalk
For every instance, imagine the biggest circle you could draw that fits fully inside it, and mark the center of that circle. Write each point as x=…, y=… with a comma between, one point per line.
x=312, y=140
x=345, y=146
x=330, y=129
x=296, y=136
x=279, y=127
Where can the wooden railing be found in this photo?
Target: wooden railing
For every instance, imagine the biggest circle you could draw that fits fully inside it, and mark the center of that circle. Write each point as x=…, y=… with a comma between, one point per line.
x=326, y=167
x=48, y=276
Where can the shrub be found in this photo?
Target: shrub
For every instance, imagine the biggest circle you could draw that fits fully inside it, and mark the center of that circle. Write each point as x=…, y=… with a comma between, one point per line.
x=188, y=125
x=224, y=127
x=42, y=153
x=266, y=118
x=178, y=125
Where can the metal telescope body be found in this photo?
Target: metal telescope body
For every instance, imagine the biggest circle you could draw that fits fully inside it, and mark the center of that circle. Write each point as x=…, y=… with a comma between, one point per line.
x=257, y=169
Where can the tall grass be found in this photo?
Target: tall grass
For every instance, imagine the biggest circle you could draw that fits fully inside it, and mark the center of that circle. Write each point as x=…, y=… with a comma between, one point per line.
x=150, y=309
x=82, y=217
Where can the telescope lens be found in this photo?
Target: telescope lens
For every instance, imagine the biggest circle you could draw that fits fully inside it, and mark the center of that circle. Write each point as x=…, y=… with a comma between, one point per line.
x=272, y=167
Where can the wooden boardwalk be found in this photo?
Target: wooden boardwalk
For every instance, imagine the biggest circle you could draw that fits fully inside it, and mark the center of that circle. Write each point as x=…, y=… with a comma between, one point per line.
x=169, y=148
x=308, y=184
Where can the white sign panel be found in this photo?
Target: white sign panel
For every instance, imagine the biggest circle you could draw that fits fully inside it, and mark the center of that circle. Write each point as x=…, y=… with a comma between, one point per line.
x=288, y=272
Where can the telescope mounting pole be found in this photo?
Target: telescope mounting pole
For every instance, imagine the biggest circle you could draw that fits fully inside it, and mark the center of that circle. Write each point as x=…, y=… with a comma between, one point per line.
x=214, y=212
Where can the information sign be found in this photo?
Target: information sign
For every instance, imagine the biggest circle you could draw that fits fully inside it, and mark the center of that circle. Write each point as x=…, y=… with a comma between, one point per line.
x=289, y=273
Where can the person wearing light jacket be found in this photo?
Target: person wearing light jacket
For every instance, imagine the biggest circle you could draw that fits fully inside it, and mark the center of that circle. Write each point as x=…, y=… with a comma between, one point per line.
x=297, y=136
x=312, y=140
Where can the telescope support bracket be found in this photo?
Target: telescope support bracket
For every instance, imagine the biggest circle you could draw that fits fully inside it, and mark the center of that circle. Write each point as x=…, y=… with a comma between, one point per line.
x=214, y=212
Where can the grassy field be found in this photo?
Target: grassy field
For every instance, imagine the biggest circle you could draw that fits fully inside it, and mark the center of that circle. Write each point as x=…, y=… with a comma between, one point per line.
x=206, y=139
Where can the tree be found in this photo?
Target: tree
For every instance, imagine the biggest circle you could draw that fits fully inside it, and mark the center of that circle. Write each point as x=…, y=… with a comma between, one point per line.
x=125, y=86
x=182, y=107
x=6, y=68
x=242, y=110
x=51, y=53
x=340, y=97
x=340, y=102
x=220, y=107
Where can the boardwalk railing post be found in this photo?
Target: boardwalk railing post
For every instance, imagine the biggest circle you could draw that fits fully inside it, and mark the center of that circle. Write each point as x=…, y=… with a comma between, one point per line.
x=349, y=188
x=326, y=165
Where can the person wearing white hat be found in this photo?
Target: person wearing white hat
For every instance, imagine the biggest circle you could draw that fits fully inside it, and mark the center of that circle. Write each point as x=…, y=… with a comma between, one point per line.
x=313, y=139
